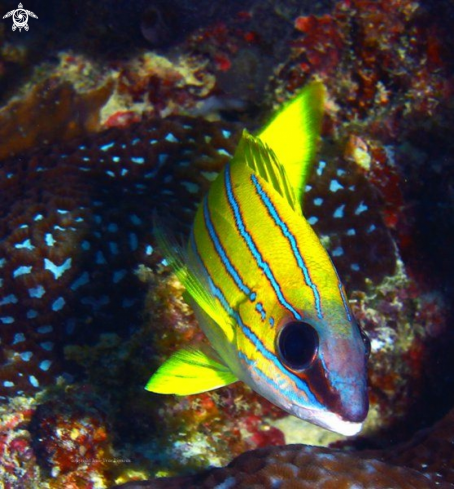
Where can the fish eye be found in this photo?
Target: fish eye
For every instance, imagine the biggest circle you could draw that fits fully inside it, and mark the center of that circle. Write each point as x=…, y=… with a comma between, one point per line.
x=297, y=345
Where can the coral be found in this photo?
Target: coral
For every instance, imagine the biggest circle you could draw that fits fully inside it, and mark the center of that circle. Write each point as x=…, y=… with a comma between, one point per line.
x=423, y=462
x=51, y=111
x=70, y=439
x=296, y=466
x=69, y=252
x=19, y=467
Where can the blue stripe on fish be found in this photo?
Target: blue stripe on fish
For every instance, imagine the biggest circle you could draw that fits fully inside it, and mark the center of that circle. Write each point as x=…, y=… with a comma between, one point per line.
x=251, y=336
x=231, y=270
x=252, y=246
x=291, y=239
x=344, y=300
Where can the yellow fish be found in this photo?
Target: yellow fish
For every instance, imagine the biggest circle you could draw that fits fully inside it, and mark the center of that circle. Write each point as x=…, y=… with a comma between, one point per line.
x=264, y=289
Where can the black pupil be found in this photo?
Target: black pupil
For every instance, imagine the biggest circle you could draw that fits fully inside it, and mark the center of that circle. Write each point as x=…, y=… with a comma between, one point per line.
x=297, y=345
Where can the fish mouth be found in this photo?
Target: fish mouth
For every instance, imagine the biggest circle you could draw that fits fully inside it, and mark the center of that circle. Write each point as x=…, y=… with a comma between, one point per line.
x=327, y=420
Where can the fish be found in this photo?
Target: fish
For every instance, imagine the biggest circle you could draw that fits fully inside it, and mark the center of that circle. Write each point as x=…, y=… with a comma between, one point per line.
x=263, y=288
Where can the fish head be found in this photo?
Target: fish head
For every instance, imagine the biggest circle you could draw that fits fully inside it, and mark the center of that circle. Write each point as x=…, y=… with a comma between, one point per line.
x=316, y=372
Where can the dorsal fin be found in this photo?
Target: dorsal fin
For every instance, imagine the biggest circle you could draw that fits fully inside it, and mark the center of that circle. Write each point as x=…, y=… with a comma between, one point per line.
x=293, y=135
x=262, y=161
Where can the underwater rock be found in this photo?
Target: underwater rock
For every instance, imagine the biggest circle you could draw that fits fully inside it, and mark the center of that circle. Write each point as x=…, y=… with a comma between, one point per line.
x=426, y=461
x=299, y=466
x=51, y=111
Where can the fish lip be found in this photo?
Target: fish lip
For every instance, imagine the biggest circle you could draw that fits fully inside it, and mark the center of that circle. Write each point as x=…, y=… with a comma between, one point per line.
x=328, y=420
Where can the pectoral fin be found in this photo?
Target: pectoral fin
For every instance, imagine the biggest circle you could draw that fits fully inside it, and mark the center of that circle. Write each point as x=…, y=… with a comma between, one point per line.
x=190, y=371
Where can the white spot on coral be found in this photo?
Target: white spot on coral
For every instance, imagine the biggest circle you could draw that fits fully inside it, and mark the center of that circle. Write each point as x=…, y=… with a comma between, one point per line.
x=26, y=355
x=85, y=245
x=162, y=158
x=7, y=320
x=135, y=220
x=371, y=228
x=113, y=248
x=18, y=338
x=37, y=292
x=9, y=299
x=339, y=251
x=190, y=187
x=58, y=304
x=334, y=186
x=32, y=314
x=45, y=364
x=321, y=167
x=355, y=267
x=312, y=220
x=38, y=217
x=149, y=250
x=8, y=383
x=112, y=228
x=171, y=138
x=361, y=208
x=138, y=160
x=23, y=270
x=318, y=201
x=226, y=133
x=25, y=244
x=351, y=232
x=33, y=381
x=339, y=212
x=57, y=270
x=82, y=280
x=100, y=260
x=223, y=152
x=210, y=175
x=118, y=275
x=45, y=329
x=47, y=345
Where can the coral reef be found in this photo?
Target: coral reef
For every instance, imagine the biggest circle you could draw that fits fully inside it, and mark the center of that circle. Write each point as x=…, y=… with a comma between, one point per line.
x=424, y=462
x=51, y=111
x=87, y=308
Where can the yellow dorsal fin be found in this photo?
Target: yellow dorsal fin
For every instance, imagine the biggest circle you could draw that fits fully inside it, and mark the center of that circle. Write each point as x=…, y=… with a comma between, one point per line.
x=293, y=134
x=262, y=161
x=190, y=371
x=194, y=285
